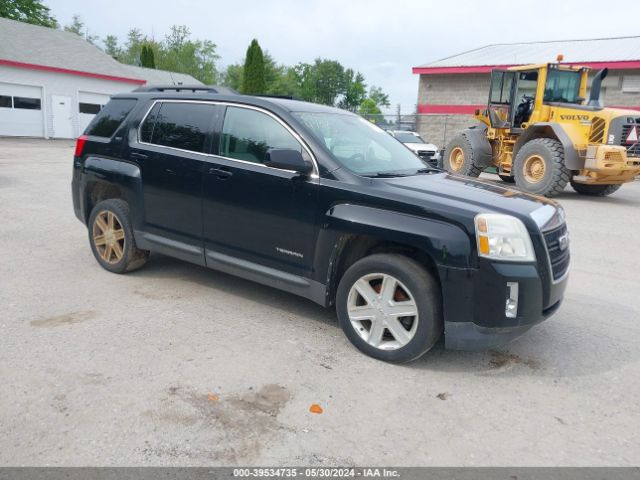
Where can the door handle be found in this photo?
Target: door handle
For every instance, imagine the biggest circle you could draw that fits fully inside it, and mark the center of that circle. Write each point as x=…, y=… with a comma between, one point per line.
x=220, y=173
x=139, y=156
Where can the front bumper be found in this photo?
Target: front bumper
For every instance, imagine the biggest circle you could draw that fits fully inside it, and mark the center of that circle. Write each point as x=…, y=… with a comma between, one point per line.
x=608, y=164
x=474, y=302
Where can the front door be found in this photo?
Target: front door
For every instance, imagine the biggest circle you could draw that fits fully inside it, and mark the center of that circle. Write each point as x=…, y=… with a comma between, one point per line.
x=61, y=113
x=256, y=216
x=171, y=151
x=500, y=98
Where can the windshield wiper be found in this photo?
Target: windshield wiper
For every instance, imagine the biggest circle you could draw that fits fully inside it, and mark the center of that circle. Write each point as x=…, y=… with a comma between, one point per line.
x=386, y=175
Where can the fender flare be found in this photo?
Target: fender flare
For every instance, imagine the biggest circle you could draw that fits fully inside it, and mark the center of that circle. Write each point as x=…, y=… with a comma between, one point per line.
x=572, y=159
x=445, y=243
x=124, y=176
x=482, y=151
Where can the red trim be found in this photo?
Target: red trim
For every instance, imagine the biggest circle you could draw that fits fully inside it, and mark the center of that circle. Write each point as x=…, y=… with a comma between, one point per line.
x=623, y=65
x=471, y=109
x=449, y=109
x=45, y=68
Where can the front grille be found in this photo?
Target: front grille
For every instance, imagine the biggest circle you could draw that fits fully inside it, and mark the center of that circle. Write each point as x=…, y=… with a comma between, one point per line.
x=558, y=257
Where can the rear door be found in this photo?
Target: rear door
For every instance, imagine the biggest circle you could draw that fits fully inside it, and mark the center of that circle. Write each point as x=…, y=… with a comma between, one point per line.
x=171, y=150
x=254, y=214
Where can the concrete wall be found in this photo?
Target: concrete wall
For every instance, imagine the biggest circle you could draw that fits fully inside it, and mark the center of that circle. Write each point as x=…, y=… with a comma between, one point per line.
x=62, y=84
x=473, y=89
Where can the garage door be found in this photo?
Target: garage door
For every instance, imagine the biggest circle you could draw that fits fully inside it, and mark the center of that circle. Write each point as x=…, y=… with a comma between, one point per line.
x=88, y=105
x=21, y=111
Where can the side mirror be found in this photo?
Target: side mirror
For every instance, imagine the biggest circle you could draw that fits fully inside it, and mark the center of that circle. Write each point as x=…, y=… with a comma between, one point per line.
x=287, y=159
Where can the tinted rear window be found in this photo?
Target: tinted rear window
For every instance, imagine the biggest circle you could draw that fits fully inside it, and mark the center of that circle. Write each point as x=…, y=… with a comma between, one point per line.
x=178, y=125
x=110, y=117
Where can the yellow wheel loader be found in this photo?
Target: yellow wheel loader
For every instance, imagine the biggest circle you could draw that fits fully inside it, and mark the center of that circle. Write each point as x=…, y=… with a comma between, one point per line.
x=540, y=131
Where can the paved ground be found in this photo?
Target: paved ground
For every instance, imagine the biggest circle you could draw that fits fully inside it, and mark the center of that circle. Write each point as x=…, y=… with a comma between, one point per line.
x=178, y=365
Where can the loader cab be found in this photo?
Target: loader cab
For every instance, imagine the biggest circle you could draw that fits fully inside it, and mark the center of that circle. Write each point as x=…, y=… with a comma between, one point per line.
x=512, y=98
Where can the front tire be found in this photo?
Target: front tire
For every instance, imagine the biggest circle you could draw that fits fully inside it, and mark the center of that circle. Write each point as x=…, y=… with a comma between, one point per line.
x=111, y=237
x=539, y=167
x=594, y=190
x=389, y=307
x=459, y=157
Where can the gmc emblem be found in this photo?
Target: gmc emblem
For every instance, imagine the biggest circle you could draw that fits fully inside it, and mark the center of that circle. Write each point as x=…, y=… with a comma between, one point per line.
x=563, y=242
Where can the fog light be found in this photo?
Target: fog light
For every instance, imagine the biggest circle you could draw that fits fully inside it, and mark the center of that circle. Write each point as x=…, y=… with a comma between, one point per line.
x=511, y=307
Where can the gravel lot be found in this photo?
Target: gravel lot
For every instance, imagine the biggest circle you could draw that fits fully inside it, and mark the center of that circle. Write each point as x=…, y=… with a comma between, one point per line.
x=179, y=365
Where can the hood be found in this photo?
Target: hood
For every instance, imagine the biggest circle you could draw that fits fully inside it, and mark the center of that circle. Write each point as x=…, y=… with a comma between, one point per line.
x=421, y=146
x=465, y=196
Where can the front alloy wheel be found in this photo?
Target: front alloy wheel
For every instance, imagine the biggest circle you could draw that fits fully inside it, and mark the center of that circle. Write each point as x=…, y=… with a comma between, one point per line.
x=389, y=307
x=383, y=311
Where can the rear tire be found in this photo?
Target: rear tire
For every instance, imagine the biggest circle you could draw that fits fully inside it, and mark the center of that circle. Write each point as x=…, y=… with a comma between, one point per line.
x=459, y=158
x=111, y=237
x=594, y=190
x=371, y=295
x=539, y=167
x=507, y=178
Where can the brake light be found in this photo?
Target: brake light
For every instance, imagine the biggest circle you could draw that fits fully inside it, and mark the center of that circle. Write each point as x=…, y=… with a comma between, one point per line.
x=80, y=141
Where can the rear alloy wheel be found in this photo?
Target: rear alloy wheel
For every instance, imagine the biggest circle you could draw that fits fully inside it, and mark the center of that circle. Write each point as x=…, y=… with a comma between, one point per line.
x=539, y=167
x=594, y=190
x=388, y=305
x=111, y=237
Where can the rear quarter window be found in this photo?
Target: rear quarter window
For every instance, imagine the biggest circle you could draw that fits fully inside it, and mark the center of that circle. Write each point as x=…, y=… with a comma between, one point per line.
x=110, y=117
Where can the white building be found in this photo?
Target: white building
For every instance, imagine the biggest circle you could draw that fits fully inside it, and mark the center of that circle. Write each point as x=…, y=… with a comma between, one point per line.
x=53, y=82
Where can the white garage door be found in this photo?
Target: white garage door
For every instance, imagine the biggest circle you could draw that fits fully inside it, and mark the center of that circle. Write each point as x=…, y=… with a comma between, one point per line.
x=21, y=111
x=88, y=105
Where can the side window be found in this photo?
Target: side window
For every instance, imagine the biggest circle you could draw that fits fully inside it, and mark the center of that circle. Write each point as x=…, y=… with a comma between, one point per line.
x=248, y=134
x=501, y=87
x=146, y=129
x=110, y=117
x=178, y=125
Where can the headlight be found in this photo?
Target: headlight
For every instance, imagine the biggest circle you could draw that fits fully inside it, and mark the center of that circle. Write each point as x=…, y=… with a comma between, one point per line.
x=503, y=237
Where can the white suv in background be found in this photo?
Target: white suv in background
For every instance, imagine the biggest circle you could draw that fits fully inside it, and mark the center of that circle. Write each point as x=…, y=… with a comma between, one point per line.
x=428, y=152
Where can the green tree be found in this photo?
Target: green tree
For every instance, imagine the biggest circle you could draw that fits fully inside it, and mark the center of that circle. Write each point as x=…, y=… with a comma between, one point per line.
x=232, y=77
x=28, y=11
x=370, y=111
x=147, y=57
x=178, y=53
x=253, y=80
x=380, y=98
x=355, y=90
x=111, y=46
x=77, y=26
x=328, y=76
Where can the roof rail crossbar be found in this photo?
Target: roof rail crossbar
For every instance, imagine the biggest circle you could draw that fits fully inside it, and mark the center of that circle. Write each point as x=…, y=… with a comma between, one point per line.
x=185, y=88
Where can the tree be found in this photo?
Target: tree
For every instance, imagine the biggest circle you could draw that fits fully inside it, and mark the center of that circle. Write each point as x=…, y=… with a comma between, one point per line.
x=355, y=90
x=77, y=27
x=146, y=56
x=28, y=11
x=178, y=53
x=111, y=46
x=380, y=98
x=370, y=110
x=253, y=81
x=232, y=77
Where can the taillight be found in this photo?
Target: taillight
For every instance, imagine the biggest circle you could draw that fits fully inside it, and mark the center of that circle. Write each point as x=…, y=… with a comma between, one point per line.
x=81, y=140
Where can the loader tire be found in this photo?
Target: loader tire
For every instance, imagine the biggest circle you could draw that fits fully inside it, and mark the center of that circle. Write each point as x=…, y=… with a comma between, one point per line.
x=459, y=157
x=594, y=190
x=539, y=167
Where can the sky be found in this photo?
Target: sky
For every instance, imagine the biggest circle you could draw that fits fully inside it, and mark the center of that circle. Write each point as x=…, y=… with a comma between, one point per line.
x=383, y=39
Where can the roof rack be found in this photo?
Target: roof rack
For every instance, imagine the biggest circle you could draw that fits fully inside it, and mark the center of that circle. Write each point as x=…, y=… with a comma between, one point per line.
x=187, y=88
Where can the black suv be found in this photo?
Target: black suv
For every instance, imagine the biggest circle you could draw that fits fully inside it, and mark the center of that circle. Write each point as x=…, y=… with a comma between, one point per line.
x=321, y=203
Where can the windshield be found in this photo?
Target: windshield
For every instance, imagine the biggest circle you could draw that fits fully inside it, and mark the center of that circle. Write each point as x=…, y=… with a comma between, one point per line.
x=359, y=145
x=562, y=86
x=406, y=137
